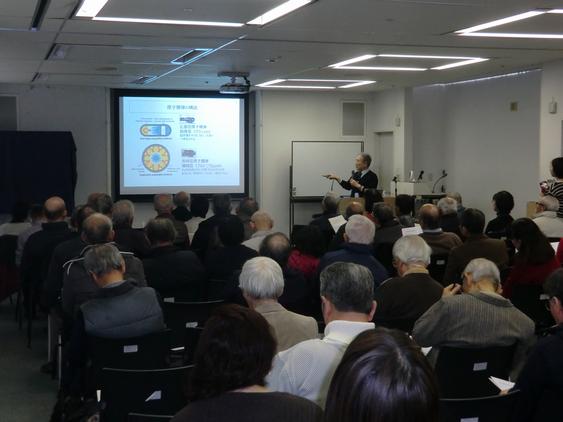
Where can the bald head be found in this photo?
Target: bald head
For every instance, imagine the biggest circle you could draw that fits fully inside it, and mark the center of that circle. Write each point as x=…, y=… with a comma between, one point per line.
x=55, y=209
x=261, y=221
x=97, y=229
x=429, y=217
x=355, y=208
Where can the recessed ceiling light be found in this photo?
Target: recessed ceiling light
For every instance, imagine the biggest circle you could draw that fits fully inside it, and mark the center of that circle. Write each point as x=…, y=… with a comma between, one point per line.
x=406, y=69
x=279, y=11
x=90, y=8
x=355, y=84
x=354, y=60
x=168, y=21
x=191, y=56
x=348, y=83
x=417, y=56
x=502, y=21
x=512, y=35
x=458, y=64
x=302, y=86
x=275, y=81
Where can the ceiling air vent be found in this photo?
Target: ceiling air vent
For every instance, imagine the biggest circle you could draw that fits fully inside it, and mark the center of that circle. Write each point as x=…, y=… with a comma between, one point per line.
x=191, y=56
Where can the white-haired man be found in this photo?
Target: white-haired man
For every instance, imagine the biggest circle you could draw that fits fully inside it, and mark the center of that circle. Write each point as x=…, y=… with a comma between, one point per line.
x=546, y=216
x=357, y=248
x=480, y=317
x=261, y=224
x=261, y=282
x=449, y=215
x=403, y=299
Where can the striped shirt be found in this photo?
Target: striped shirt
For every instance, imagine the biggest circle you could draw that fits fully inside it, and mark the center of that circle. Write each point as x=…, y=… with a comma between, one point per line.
x=556, y=190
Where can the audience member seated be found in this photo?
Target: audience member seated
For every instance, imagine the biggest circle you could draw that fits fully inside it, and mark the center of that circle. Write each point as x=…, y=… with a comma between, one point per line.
x=503, y=204
x=125, y=235
x=78, y=286
x=199, y=209
x=222, y=262
x=181, y=211
x=354, y=208
x=39, y=247
x=330, y=210
x=449, y=215
x=18, y=222
x=163, y=205
x=245, y=210
x=402, y=300
x=535, y=258
x=440, y=241
x=233, y=356
x=404, y=209
x=306, y=369
x=101, y=203
x=476, y=245
x=171, y=271
x=388, y=230
x=119, y=310
x=297, y=293
x=261, y=282
x=555, y=187
x=478, y=318
x=62, y=254
x=370, y=385
x=261, y=225
x=307, y=250
x=546, y=217
x=357, y=249
x=206, y=237
x=459, y=202
x=543, y=372
x=37, y=218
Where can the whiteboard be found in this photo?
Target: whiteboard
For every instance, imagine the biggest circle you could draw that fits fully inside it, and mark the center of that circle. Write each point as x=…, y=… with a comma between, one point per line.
x=310, y=160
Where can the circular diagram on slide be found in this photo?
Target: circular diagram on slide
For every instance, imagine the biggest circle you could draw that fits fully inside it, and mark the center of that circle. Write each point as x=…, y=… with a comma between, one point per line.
x=156, y=158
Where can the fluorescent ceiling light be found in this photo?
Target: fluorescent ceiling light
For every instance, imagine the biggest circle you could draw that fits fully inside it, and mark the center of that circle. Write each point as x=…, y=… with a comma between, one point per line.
x=191, y=56
x=354, y=60
x=408, y=69
x=90, y=8
x=301, y=86
x=275, y=81
x=416, y=56
x=512, y=35
x=502, y=21
x=357, y=84
x=458, y=64
x=556, y=11
x=168, y=21
x=279, y=11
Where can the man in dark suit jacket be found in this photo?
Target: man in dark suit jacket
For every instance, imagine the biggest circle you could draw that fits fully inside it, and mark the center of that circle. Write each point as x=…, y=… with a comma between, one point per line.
x=476, y=245
x=363, y=178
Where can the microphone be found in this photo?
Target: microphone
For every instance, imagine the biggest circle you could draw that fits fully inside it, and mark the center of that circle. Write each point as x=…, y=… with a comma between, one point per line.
x=395, y=179
x=420, y=175
x=444, y=175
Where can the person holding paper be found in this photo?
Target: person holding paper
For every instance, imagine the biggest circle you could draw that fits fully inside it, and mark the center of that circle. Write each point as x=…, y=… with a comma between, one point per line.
x=363, y=178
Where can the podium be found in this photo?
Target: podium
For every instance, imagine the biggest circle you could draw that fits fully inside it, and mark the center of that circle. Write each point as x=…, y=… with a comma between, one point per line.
x=410, y=188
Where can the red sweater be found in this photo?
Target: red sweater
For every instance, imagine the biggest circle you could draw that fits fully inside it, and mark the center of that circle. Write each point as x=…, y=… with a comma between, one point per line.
x=307, y=264
x=529, y=274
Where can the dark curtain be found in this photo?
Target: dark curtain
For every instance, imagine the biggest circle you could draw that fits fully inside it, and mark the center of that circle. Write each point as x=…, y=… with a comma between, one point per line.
x=35, y=166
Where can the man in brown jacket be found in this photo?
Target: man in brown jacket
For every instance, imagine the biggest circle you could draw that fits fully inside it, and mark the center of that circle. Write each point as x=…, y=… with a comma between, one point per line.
x=476, y=245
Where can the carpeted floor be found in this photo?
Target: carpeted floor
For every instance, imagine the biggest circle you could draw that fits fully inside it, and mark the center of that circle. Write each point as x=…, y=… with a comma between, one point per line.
x=26, y=394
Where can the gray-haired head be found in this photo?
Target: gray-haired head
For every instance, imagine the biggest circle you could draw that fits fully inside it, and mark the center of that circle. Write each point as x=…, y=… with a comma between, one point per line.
x=123, y=213
x=330, y=202
x=456, y=196
x=447, y=205
x=482, y=269
x=97, y=229
x=103, y=259
x=101, y=202
x=160, y=231
x=348, y=286
x=412, y=250
x=383, y=213
x=182, y=199
x=261, y=278
x=163, y=203
x=360, y=229
x=366, y=158
x=549, y=203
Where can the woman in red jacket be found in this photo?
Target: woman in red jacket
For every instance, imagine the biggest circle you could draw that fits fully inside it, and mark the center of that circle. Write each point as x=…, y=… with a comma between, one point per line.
x=535, y=258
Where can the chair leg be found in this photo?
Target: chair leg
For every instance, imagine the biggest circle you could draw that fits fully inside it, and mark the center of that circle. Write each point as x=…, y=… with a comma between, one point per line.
x=59, y=358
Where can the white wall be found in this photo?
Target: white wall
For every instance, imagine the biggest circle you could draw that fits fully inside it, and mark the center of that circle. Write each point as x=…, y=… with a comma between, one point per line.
x=81, y=110
x=550, y=124
x=484, y=146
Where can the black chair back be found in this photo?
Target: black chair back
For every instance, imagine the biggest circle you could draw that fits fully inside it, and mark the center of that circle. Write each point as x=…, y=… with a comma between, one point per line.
x=179, y=315
x=9, y=275
x=215, y=289
x=530, y=299
x=465, y=372
x=497, y=408
x=190, y=343
x=437, y=267
x=383, y=252
x=152, y=392
x=139, y=417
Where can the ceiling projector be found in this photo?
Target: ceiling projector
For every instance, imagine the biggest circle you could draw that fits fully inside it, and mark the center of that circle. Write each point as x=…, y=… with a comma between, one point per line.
x=235, y=87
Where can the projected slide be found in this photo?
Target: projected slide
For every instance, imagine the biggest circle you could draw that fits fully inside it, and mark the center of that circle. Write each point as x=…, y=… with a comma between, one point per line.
x=168, y=143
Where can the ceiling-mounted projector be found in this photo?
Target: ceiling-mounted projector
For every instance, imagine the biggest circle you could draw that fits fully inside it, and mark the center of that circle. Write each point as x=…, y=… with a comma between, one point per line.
x=235, y=87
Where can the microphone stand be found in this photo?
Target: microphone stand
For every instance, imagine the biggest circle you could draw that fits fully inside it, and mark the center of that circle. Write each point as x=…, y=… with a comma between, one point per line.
x=395, y=181
x=443, y=176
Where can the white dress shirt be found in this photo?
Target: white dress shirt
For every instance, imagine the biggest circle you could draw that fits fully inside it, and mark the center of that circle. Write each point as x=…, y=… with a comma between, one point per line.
x=307, y=368
x=549, y=223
